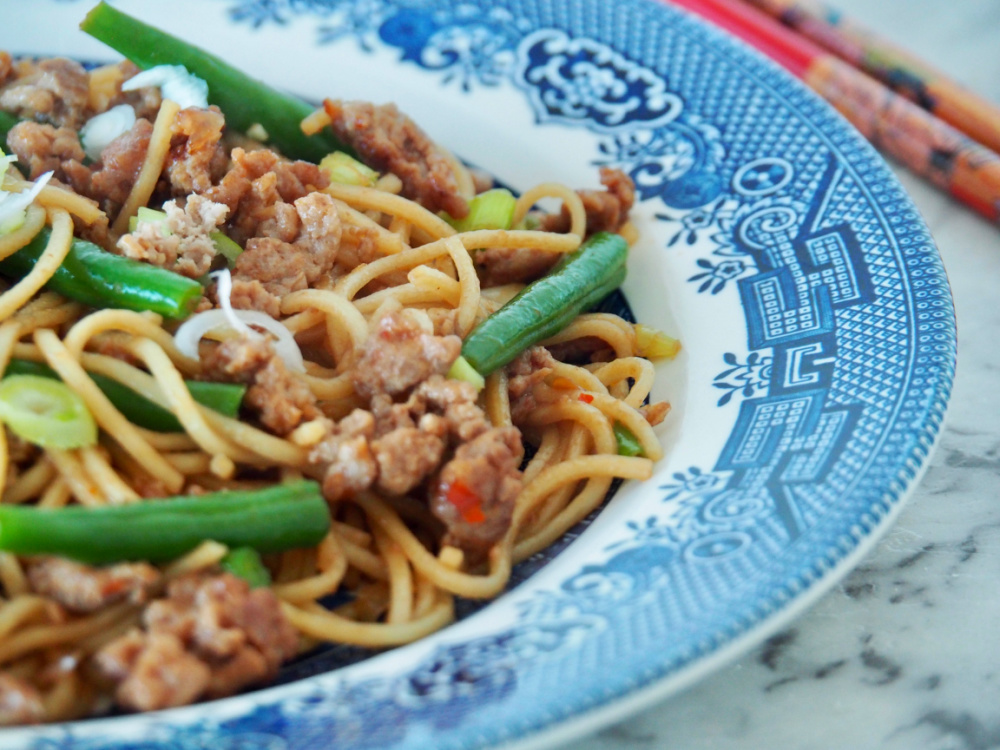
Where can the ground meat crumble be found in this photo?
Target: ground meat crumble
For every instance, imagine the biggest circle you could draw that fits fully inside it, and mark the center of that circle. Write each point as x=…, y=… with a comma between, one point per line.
x=211, y=636
x=389, y=141
x=180, y=242
x=82, y=588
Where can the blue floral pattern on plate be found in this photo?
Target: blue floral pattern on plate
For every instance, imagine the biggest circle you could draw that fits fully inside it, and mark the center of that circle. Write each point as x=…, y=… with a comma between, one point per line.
x=772, y=204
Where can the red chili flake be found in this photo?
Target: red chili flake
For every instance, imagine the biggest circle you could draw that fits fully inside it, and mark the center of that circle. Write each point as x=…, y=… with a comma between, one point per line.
x=468, y=503
x=586, y=398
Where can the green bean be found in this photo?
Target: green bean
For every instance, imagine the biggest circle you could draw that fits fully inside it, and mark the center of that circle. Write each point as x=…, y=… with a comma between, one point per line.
x=243, y=100
x=245, y=563
x=274, y=519
x=7, y=121
x=224, y=398
x=628, y=443
x=546, y=306
x=97, y=278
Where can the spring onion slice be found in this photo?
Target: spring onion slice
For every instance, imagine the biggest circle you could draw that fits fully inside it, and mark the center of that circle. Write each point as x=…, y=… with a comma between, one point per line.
x=14, y=205
x=245, y=563
x=5, y=161
x=46, y=412
x=175, y=83
x=147, y=215
x=654, y=344
x=98, y=132
x=346, y=170
x=462, y=370
x=493, y=209
x=225, y=246
x=225, y=318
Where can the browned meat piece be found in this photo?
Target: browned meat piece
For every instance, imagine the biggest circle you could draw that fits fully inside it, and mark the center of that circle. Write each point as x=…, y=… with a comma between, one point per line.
x=606, y=209
x=357, y=245
x=83, y=588
x=282, y=398
x=256, y=189
x=319, y=232
x=389, y=141
x=218, y=615
x=270, y=268
x=656, y=412
x=530, y=368
x=351, y=467
x=153, y=671
x=475, y=492
x=236, y=360
x=251, y=294
x=56, y=90
x=506, y=265
x=196, y=158
x=399, y=354
x=6, y=67
x=20, y=702
x=182, y=242
x=396, y=446
x=211, y=636
x=455, y=401
x=44, y=148
x=120, y=164
x=408, y=455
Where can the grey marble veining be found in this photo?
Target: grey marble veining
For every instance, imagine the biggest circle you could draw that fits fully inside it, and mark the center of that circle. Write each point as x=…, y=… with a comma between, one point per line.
x=904, y=654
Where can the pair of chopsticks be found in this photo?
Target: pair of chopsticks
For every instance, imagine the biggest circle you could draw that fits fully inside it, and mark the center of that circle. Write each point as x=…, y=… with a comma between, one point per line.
x=933, y=126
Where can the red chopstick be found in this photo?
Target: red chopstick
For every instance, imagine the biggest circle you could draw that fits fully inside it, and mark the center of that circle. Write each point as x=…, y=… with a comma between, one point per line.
x=895, y=67
x=923, y=143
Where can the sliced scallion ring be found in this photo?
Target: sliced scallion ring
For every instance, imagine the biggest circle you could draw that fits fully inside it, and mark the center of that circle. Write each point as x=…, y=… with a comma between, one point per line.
x=493, y=209
x=46, y=412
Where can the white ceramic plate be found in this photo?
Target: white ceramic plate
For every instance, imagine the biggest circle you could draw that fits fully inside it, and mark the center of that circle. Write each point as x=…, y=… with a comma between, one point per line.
x=818, y=335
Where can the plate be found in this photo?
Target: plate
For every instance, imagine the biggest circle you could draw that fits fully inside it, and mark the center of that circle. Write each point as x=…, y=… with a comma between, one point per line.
x=819, y=350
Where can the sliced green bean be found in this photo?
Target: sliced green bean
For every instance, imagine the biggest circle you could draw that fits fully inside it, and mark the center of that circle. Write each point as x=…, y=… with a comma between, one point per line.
x=546, y=306
x=243, y=100
x=628, y=443
x=97, y=278
x=224, y=398
x=7, y=121
x=274, y=519
x=245, y=563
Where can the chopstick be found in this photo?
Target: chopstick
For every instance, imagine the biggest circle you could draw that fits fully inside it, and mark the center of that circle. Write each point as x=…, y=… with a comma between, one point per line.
x=926, y=145
x=901, y=71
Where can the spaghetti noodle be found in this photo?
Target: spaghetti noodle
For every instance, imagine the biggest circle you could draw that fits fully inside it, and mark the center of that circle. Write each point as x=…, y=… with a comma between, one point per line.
x=373, y=418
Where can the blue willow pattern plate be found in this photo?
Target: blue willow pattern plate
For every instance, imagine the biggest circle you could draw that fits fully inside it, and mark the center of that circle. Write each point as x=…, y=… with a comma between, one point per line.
x=819, y=352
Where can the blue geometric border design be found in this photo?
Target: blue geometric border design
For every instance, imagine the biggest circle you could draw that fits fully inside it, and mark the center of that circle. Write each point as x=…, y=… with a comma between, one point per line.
x=850, y=351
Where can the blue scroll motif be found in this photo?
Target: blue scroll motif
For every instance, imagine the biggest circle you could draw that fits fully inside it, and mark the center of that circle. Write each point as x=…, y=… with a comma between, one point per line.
x=806, y=272
x=577, y=81
x=470, y=46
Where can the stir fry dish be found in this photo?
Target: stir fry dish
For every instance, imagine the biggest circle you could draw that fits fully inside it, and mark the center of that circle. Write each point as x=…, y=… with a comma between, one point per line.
x=277, y=375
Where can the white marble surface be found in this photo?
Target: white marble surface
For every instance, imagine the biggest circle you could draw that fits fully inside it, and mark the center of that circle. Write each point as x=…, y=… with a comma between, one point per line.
x=904, y=653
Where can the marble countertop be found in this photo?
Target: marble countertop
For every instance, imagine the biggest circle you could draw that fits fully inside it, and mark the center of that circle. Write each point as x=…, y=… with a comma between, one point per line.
x=903, y=654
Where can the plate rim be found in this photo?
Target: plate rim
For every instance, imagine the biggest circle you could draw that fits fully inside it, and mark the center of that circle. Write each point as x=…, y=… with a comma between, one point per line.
x=891, y=503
